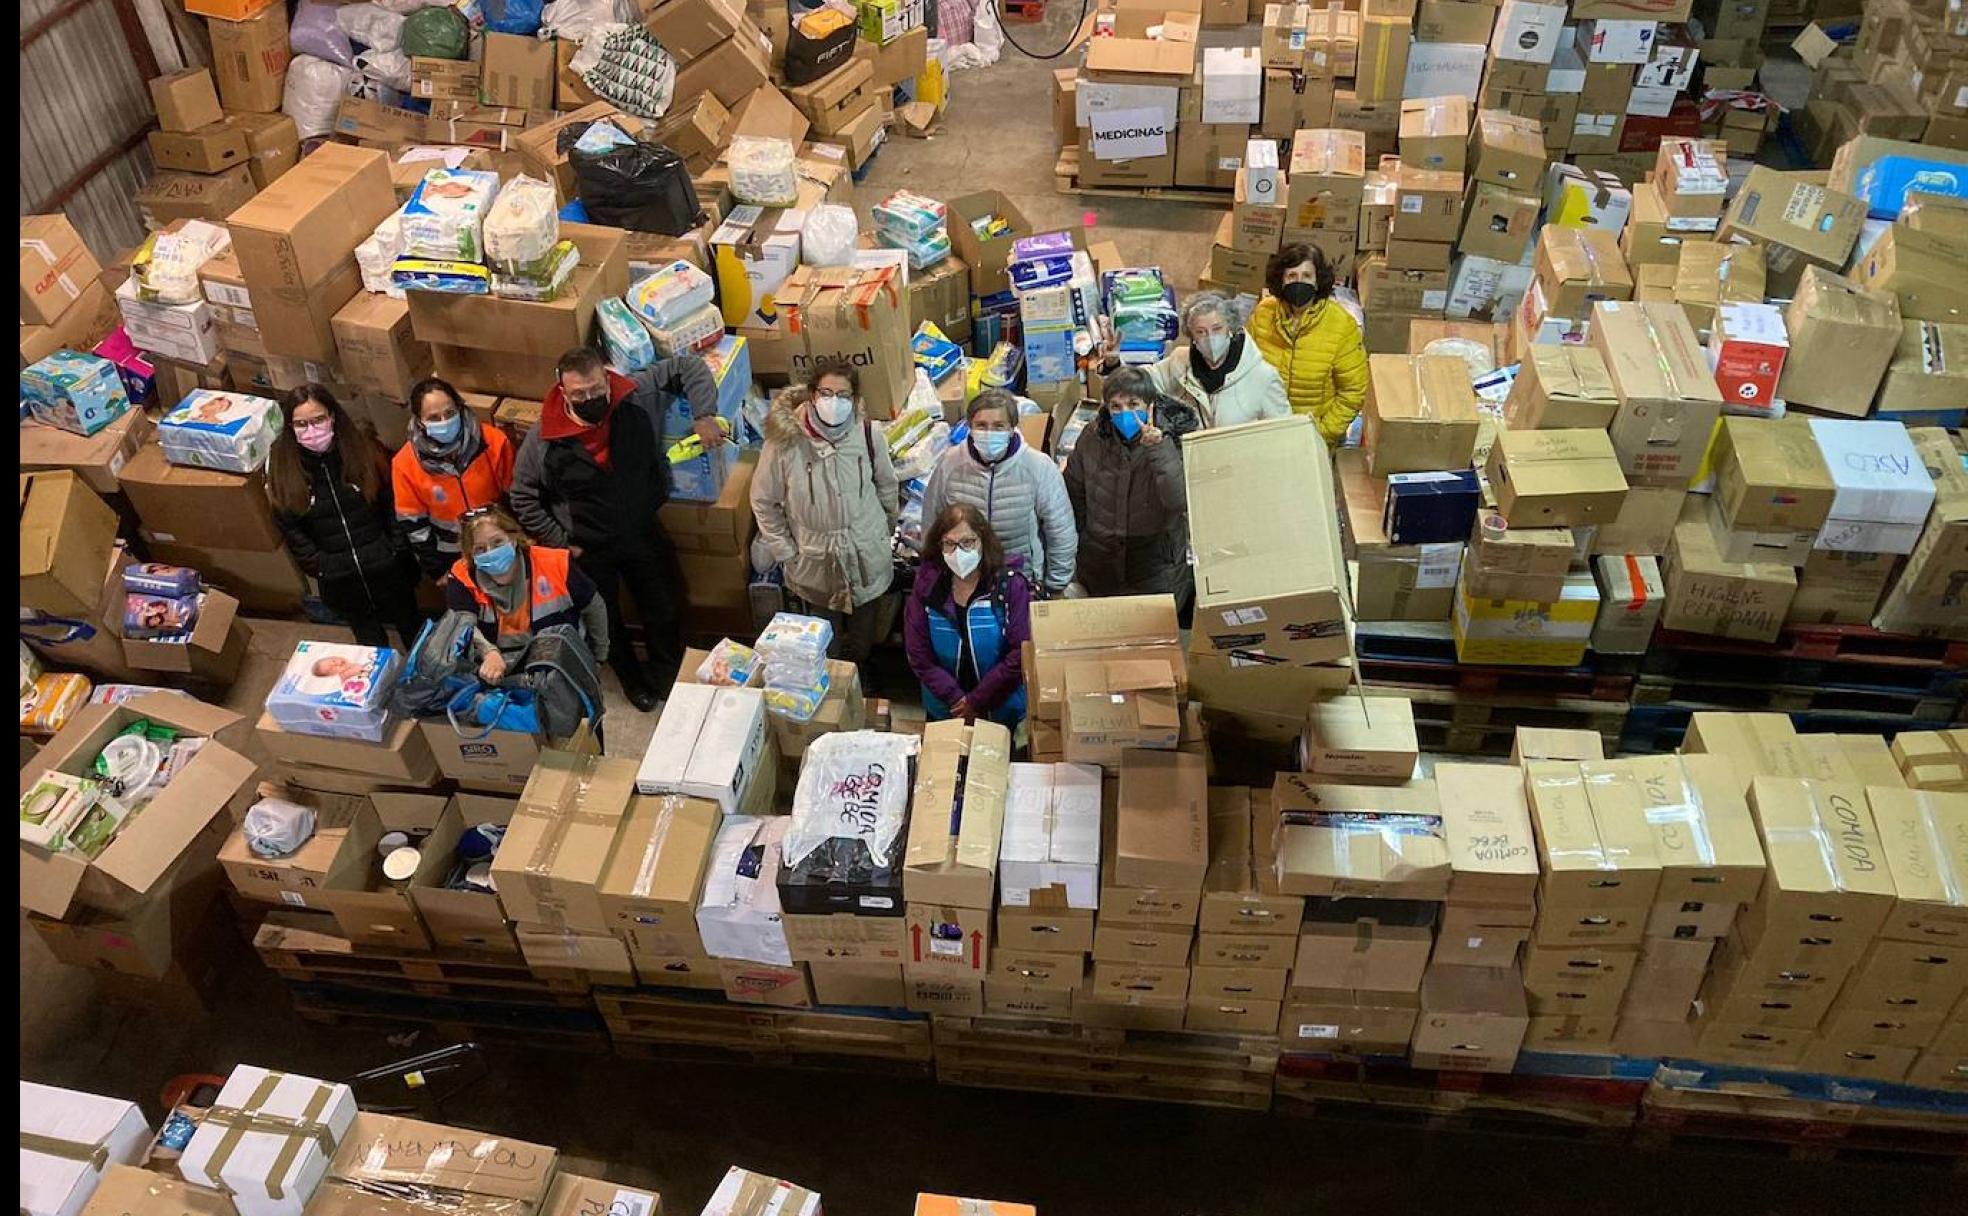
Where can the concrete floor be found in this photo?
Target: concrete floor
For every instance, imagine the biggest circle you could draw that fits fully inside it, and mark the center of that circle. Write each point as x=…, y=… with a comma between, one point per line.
x=867, y=1142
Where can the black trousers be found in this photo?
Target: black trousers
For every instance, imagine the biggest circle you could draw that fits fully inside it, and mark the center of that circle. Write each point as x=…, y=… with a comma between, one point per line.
x=371, y=604
x=648, y=574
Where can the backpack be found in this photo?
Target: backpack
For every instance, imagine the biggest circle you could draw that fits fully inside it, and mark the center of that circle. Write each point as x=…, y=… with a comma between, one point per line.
x=439, y=665
x=556, y=688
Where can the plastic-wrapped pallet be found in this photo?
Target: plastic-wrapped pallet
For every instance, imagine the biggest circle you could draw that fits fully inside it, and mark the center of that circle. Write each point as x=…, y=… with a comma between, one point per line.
x=215, y=430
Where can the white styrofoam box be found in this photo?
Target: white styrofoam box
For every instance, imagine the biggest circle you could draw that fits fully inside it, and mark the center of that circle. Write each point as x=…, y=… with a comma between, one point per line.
x=1051, y=834
x=1883, y=491
x=1527, y=32
x=268, y=1139
x=68, y=1139
x=707, y=744
x=738, y=915
x=1233, y=84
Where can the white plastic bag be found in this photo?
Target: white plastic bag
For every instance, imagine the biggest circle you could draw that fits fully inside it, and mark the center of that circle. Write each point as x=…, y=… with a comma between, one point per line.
x=372, y=25
x=390, y=67
x=314, y=92
x=275, y=827
x=853, y=785
x=577, y=19
x=764, y=171
x=522, y=225
x=830, y=236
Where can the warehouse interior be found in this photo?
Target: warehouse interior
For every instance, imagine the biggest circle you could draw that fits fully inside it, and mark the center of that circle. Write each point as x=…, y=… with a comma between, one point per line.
x=872, y=1134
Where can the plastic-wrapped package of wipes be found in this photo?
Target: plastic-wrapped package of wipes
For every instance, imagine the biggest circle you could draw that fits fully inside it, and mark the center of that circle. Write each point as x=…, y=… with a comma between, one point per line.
x=336, y=689
x=445, y=216
x=216, y=430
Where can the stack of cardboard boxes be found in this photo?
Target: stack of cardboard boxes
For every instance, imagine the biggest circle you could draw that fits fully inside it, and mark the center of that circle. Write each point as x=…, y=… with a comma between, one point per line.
x=1154, y=857
x=1049, y=887
x=957, y=823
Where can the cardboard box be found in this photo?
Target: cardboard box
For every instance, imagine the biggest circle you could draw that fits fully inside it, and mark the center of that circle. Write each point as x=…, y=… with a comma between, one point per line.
x=1922, y=270
x=1668, y=398
x=517, y=71
x=1929, y=369
x=56, y=267
x=1922, y=834
x=1434, y=133
x=379, y=353
x=1880, y=498
x=539, y=144
x=1347, y=1024
x=1324, y=850
x=1800, y=222
x=853, y=316
x=65, y=530
x=1771, y=475
x=1594, y=841
x=185, y=101
x=1049, y=857
x=1382, y=946
x=1121, y=627
x=1933, y=759
x=1843, y=336
x=653, y=882
x=1114, y=705
x=171, y=196
x=558, y=845
x=1471, y=1019
x=1162, y=822
x=249, y=60
x=1577, y=979
x=1561, y=387
x=1428, y=205
x=1631, y=599
x=1326, y=179
x=1295, y=101
x=1273, y=590
x=1420, y=415
x=211, y=654
x=180, y=830
x=209, y=149
x=1578, y=267
x=1839, y=897
x=1706, y=593
x=986, y=258
x=1556, y=478
x=957, y=814
x=295, y=243
x=544, y=329
x=1359, y=737
x=1486, y=822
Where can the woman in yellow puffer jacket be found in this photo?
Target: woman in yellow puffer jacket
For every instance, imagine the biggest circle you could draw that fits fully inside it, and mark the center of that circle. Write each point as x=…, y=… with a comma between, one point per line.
x=1312, y=341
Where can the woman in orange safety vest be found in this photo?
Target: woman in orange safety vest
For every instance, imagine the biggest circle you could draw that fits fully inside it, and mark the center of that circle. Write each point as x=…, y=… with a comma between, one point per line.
x=449, y=467
x=516, y=589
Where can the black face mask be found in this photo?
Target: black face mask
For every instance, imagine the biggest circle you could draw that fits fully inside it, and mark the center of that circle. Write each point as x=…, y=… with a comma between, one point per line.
x=589, y=409
x=1298, y=295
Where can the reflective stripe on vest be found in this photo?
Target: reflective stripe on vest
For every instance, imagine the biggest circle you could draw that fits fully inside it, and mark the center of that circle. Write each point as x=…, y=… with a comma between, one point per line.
x=547, y=591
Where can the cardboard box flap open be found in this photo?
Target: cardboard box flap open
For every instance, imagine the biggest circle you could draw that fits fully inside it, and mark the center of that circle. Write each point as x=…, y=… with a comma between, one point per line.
x=1120, y=694
x=965, y=768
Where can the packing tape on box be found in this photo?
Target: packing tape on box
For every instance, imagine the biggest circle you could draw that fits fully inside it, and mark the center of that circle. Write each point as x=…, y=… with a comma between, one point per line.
x=1638, y=581
x=94, y=1154
x=293, y=1130
x=1681, y=808
x=1953, y=881
x=1816, y=832
x=46, y=253
x=1554, y=776
x=538, y=869
x=646, y=868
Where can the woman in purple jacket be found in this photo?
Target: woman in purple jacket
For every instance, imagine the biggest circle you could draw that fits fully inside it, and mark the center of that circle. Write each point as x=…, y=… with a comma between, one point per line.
x=967, y=619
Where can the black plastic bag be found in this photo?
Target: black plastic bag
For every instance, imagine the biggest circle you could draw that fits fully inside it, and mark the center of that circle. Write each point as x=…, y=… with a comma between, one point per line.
x=641, y=186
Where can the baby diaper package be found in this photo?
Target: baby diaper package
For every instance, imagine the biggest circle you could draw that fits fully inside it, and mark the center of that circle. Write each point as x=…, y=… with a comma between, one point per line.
x=215, y=430
x=336, y=689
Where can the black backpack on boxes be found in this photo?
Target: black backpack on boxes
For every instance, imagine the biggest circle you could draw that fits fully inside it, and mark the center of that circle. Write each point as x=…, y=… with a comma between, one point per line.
x=641, y=186
x=821, y=41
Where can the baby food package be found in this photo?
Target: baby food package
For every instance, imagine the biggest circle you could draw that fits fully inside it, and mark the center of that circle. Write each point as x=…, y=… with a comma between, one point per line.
x=214, y=430
x=336, y=689
x=445, y=216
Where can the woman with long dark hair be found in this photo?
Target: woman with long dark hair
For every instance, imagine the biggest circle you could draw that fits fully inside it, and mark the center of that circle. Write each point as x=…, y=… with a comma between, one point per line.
x=329, y=481
x=967, y=619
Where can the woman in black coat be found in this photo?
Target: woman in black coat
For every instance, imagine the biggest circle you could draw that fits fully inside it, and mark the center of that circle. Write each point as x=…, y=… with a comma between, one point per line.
x=330, y=484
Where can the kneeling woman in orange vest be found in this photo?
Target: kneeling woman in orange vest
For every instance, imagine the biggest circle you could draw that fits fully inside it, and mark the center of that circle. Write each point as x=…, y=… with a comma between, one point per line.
x=517, y=589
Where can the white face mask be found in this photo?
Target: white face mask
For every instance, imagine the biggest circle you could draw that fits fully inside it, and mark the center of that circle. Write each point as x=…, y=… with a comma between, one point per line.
x=963, y=562
x=833, y=411
x=1214, y=346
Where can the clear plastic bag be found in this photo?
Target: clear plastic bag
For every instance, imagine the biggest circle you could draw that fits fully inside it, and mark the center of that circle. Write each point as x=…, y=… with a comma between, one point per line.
x=729, y=663
x=764, y=171
x=275, y=827
x=377, y=255
x=853, y=788
x=830, y=236
x=371, y=25
x=445, y=216
x=670, y=294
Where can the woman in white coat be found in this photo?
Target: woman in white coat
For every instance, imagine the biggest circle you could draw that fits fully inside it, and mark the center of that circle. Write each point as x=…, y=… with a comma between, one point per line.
x=1220, y=373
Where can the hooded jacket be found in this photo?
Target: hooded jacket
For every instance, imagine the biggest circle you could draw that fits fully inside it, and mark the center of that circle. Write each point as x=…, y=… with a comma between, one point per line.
x=564, y=496
x=827, y=510
x=1024, y=497
x=1319, y=355
x=433, y=493
x=1133, y=512
x=1251, y=390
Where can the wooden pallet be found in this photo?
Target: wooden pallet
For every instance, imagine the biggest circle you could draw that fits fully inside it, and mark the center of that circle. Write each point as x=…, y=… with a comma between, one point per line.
x=1577, y=683
x=1254, y=1052
x=1660, y=728
x=656, y=1052
x=1798, y=1129
x=1824, y=643
x=1524, y=1102
x=1453, y=1112
x=1788, y=698
x=1488, y=740
x=1252, y=1095
x=1448, y=707
x=1059, y=1057
x=651, y=1018
x=458, y=1020
x=302, y=952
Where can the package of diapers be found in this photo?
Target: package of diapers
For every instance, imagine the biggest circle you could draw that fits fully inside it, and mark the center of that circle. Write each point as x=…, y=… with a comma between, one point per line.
x=217, y=430
x=521, y=229
x=445, y=216
x=336, y=689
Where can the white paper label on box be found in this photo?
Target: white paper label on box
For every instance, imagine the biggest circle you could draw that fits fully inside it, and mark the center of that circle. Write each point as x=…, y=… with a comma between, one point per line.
x=877, y=901
x=116, y=463
x=1802, y=207
x=1475, y=943
x=1310, y=1030
x=938, y=946
x=1961, y=97
x=293, y=897
x=1444, y=69
x=1412, y=204
x=1431, y=300
x=1439, y=563
x=1229, y=164
x=1686, y=223
x=1244, y=616
x=631, y=1203
x=1129, y=134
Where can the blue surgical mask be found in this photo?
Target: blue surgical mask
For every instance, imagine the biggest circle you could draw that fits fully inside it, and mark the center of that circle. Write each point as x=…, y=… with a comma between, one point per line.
x=1128, y=423
x=444, y=432
x=496, y=561
x=991, y=445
